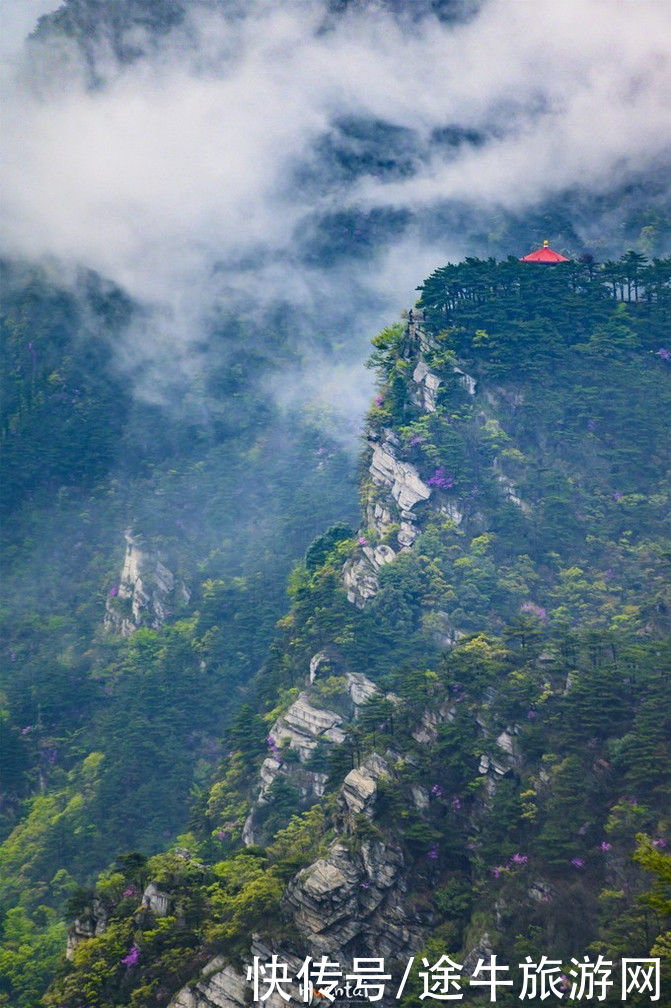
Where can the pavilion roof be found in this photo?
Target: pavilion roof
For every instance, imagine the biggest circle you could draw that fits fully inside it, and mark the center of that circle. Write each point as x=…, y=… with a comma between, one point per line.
x=544, y=255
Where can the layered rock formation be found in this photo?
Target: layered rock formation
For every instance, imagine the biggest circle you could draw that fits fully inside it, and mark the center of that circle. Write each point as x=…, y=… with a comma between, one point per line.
x=295, y=736
x=146, y=594
x=353, y=898
x=88, y=925
x=398, y=488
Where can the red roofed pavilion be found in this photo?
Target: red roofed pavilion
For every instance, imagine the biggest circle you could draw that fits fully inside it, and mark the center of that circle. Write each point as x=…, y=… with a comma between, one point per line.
x=544, y=255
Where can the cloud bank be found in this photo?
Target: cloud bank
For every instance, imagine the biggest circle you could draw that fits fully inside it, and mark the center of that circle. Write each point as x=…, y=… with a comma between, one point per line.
x=222, y=167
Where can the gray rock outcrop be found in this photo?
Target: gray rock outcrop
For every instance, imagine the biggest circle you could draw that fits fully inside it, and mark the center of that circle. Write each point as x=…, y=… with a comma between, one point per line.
x=146, y=594
x=402, y=478
x=401, y=485
x=88, y=925
x=360, y=581
x=300, y=730
x=303, y=725
x=350, y=902
x=223, y=986
x=426, y=385
x=360, y=575
x=466, y=380
x=156, y=900
x=359, y=788
x=360, y=688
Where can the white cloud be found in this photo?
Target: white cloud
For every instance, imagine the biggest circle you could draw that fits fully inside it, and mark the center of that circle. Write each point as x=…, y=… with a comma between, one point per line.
x=17, y=20
x=178, y=174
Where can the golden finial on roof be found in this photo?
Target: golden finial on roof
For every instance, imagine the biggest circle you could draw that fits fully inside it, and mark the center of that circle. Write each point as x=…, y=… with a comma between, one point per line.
x=546, y=243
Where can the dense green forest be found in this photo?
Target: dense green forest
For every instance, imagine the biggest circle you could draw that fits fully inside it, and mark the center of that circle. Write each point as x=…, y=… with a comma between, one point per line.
x=515, y=654
x=92, y=721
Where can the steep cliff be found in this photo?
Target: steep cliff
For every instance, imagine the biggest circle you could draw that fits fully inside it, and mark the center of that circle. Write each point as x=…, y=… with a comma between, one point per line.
x=461, y=733
x=146, y=593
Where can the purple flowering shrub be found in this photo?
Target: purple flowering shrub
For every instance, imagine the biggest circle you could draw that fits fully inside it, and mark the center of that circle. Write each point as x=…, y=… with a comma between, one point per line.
x=441, y=479
x=132, y=957
x=534, y=610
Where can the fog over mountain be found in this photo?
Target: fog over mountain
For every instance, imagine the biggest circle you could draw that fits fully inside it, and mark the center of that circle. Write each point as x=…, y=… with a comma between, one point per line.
x=209, y=208
x=220, y=157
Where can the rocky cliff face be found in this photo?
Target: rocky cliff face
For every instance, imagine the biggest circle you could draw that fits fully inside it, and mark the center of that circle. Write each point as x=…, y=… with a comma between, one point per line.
x=89, y=924
x=395, y=491
x=307, y=724
x=433, y=776
x=396, y=495
x=353, y=898
x=146, y=594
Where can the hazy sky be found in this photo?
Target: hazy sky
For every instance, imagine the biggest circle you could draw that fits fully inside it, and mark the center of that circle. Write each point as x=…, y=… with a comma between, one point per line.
x=17, y=19
x=185, y=164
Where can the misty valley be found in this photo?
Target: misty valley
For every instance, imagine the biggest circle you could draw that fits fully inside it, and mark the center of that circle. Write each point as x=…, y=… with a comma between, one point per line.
x=335, y=491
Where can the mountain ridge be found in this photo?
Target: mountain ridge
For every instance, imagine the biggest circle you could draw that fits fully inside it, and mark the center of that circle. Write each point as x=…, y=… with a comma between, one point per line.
x=465, y=755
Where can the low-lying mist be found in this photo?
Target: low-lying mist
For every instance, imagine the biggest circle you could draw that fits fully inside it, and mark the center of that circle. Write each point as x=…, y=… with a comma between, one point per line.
x=322, y=158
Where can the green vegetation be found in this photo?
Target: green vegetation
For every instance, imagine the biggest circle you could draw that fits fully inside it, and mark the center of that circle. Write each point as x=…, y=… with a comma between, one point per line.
x=141, y=957
x=539, y=742
x=90, y=722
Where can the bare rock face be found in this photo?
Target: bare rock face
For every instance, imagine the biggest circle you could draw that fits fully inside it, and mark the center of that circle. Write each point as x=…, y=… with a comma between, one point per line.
x=304, y=725
x=156, y=900
x=89, y=925
x=146, y=594
x=360, y=575
x=401, y=489
x=359, y=790
x=492, y=770
x=300, y=730
x=510, y=490
x=402, y=478
x=407, y=535
x=360, y=581
x=316, y=662
x=426, y=386
x=360, y=785
x=379, y=556
x=360, y=688
x=482, y=949
x=420, y=797
x=427, y=729
x=466, y=380
x=379, y=517
x=401, y=483
x=507, y=742
x=350, y=902
x=508, y=759
x=451, y=509
x=223, y=986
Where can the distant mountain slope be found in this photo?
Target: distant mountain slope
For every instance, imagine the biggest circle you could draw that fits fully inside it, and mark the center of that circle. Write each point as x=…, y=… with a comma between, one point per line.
x=230, y=502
